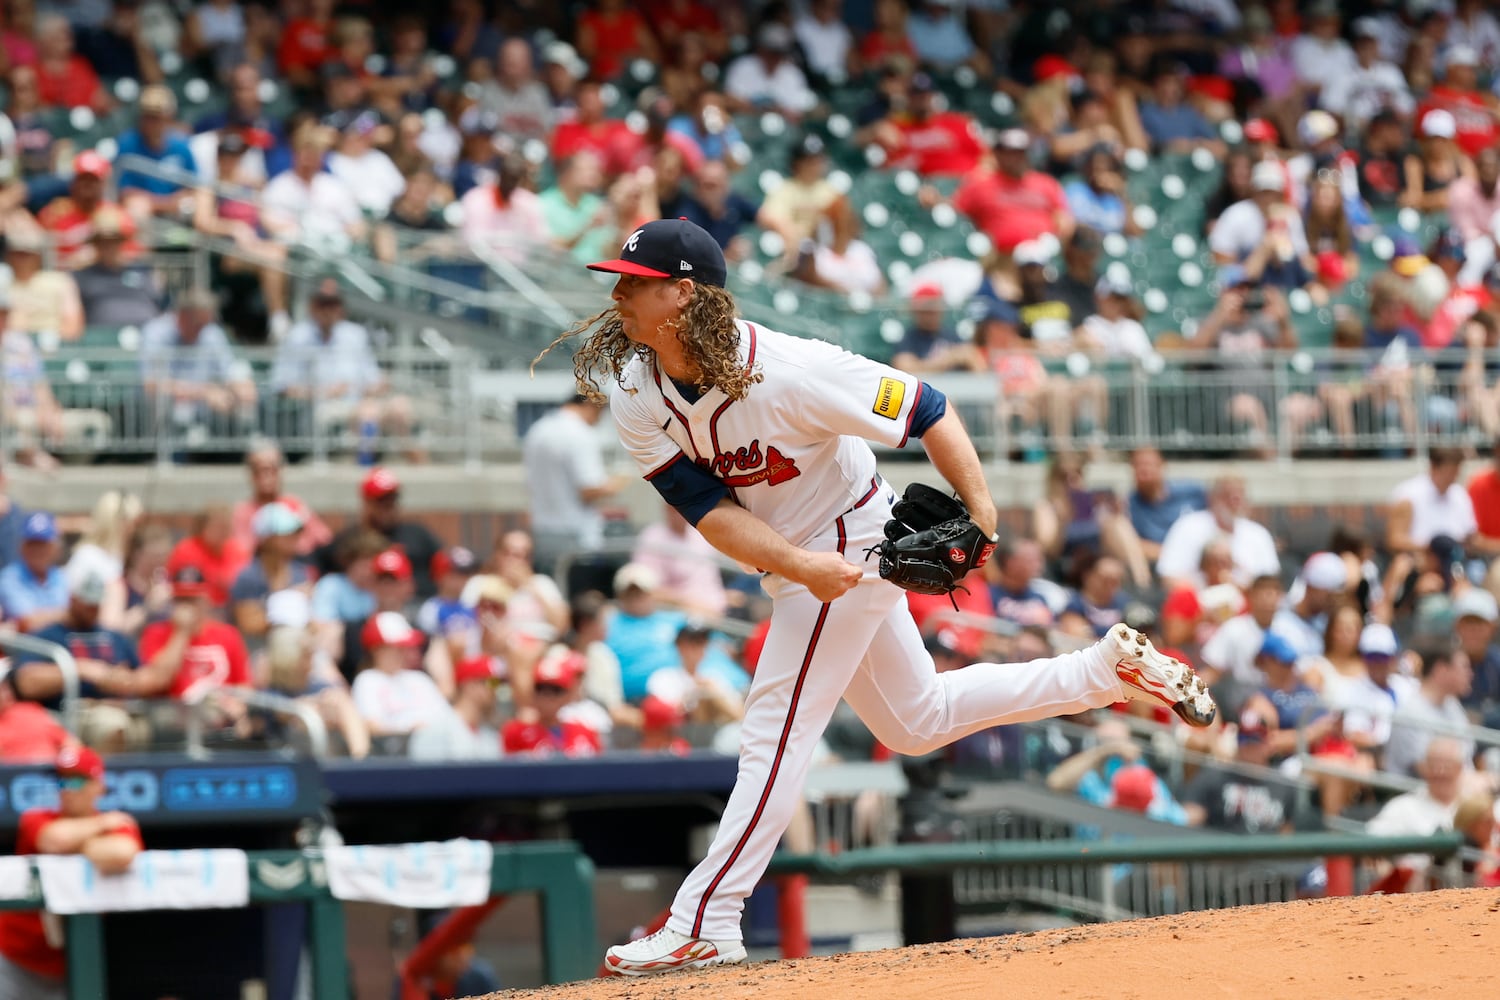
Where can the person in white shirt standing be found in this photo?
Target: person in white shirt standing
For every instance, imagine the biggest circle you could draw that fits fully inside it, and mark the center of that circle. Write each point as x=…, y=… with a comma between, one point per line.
x=1250, y=544
x=326, y=360
x=767, y=78
x=1432, y=504
x=566, y=481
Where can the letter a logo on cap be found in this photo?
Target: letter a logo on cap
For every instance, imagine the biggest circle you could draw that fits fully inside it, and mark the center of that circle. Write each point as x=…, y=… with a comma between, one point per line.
x=635, y=238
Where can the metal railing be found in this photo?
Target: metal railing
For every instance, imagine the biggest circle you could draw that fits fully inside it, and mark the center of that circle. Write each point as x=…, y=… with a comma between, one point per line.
x=19, y=642
x=266, y=701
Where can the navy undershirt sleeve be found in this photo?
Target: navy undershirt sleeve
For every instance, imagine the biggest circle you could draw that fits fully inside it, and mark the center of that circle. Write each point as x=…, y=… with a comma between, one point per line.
x=929, y=409
x=689, y=487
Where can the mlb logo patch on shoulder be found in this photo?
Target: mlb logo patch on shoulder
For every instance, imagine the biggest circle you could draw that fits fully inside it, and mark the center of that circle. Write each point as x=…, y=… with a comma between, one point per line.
x=888, y=398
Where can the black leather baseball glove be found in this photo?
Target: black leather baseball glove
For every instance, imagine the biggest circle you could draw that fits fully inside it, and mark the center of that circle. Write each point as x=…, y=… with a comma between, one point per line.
x=931, y=543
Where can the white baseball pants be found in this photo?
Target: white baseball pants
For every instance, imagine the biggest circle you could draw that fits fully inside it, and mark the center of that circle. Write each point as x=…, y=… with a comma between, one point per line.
x=865, y=648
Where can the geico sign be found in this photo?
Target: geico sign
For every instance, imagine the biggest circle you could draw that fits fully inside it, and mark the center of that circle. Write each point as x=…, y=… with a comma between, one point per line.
x=132, y=791
x=139, y=790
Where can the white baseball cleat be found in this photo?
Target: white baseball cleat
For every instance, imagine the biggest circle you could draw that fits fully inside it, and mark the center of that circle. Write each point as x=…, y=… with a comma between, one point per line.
x=667, y=951
x=1151, y=677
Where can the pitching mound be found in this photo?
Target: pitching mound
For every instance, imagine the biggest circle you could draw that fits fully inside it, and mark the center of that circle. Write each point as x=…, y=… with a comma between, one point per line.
x=1427, y=945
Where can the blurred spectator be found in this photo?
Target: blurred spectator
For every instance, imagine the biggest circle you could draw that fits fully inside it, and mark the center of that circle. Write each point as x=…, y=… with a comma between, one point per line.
x=365, y=169
x=451, y=570
x=185, y=356
x=1473, y=203
x=1429, y=809
x=296, y=668
x=1432, y=710
x=28, y=733
x=409, y=81
x=1264, y=234
x=506, y=217
x=516, y=98
x=1156, y=503
x=766, y=78
x=1253, y=548
x=1431, y=504
x=106, y=659
x=799, y=204
x=1264, y=62
x=611, y=35
x=303, y=202
x=1368, y=702
x=601, y=676
x=466, y=32
x=1235, y=184
x=380, y=511
x=36, y=423
x=1319, y=54
x=1382, y=160
x=1047, y=318
x=115, y=291
x=888, y=41
x=148, y=591
x=922, y=137
x=1370, y=87
x=940, y=38
x=1484, y=497
x=326, y=362
x=930, y=345
x=1469, y=23
x=576, y=214
x=32, y=962
x=1435, y=165
x=191, y=654
x=1097, y=605
x=838, y=259
x=1172, y=124
x=265, y=463
x=41, y=300
x=33, y=590
x=1338, y=667
x=470, y=733
x=1071, y=520
x=1248, y=322
x=1011, y=203
x=212, y=550
x=246, y=115
x=1292, y=708
x=214, y=31
x=306, y=44
x=1475, y=615
x=1472, y=113
x=541, y=732
x=702, y=696
x=393, y=695
x=1475, y=818
x=40, y=152
x=393, y=581
x=1013, y=585
x=711, y=130
x=1098, y=199
x=685, y=563
x=610, y=140
x=69, y=218
x=344, y=598
x=723, y=211
x=1242, y=802
x=1324, y=579
x=1101, y=773
x=1110, y=331
x=275, y=567
x=145, y=194
x=66, y=79
x=102, y=548
x=567, y=481
x=827, y=43
x=640, y=632
x=1080, y=275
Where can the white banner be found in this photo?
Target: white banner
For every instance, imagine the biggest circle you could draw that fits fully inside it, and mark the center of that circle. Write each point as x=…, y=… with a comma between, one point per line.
x=422, y=876
x=217, y=878
x=15, y=878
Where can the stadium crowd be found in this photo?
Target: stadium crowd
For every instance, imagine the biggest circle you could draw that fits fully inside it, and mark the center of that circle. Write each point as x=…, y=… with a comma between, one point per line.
x=504, y=128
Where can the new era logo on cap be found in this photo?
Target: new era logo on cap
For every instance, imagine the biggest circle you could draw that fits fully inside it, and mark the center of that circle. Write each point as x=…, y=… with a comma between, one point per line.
x=668, y=248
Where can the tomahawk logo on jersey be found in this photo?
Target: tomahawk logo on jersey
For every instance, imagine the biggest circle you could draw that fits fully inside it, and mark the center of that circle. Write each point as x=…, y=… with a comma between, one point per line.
x=793, y=451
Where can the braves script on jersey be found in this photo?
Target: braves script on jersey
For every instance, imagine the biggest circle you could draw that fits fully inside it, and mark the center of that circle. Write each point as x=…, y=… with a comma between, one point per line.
x=793, y=452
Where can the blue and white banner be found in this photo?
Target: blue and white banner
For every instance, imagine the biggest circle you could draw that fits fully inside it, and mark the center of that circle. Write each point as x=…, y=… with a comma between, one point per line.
x=216, y=878
x=422, y=876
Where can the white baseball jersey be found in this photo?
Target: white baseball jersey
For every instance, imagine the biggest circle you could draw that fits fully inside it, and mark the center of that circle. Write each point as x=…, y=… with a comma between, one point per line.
x=793, y=451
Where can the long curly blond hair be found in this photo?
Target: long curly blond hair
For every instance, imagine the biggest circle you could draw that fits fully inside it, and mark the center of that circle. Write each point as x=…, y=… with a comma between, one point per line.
x=706, y=331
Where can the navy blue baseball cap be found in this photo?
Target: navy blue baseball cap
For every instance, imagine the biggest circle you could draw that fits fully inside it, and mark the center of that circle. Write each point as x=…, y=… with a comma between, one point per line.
x=670, y=248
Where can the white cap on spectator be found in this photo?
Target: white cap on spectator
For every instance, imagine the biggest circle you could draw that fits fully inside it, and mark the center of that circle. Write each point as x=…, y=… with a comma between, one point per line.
x=1460, y=55
x=1365, y=27
x=1317, y=126
x=1267, y=176
x=1325, y=571
x=288, y=609
x=1477, y=603
x=1031, y=252
x=1439, y=124
x=1378, y=640
x=637, y=575
x=560, y=53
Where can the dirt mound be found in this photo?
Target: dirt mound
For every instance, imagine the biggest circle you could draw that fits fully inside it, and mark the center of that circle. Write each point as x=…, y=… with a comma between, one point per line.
x=1426, y=945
